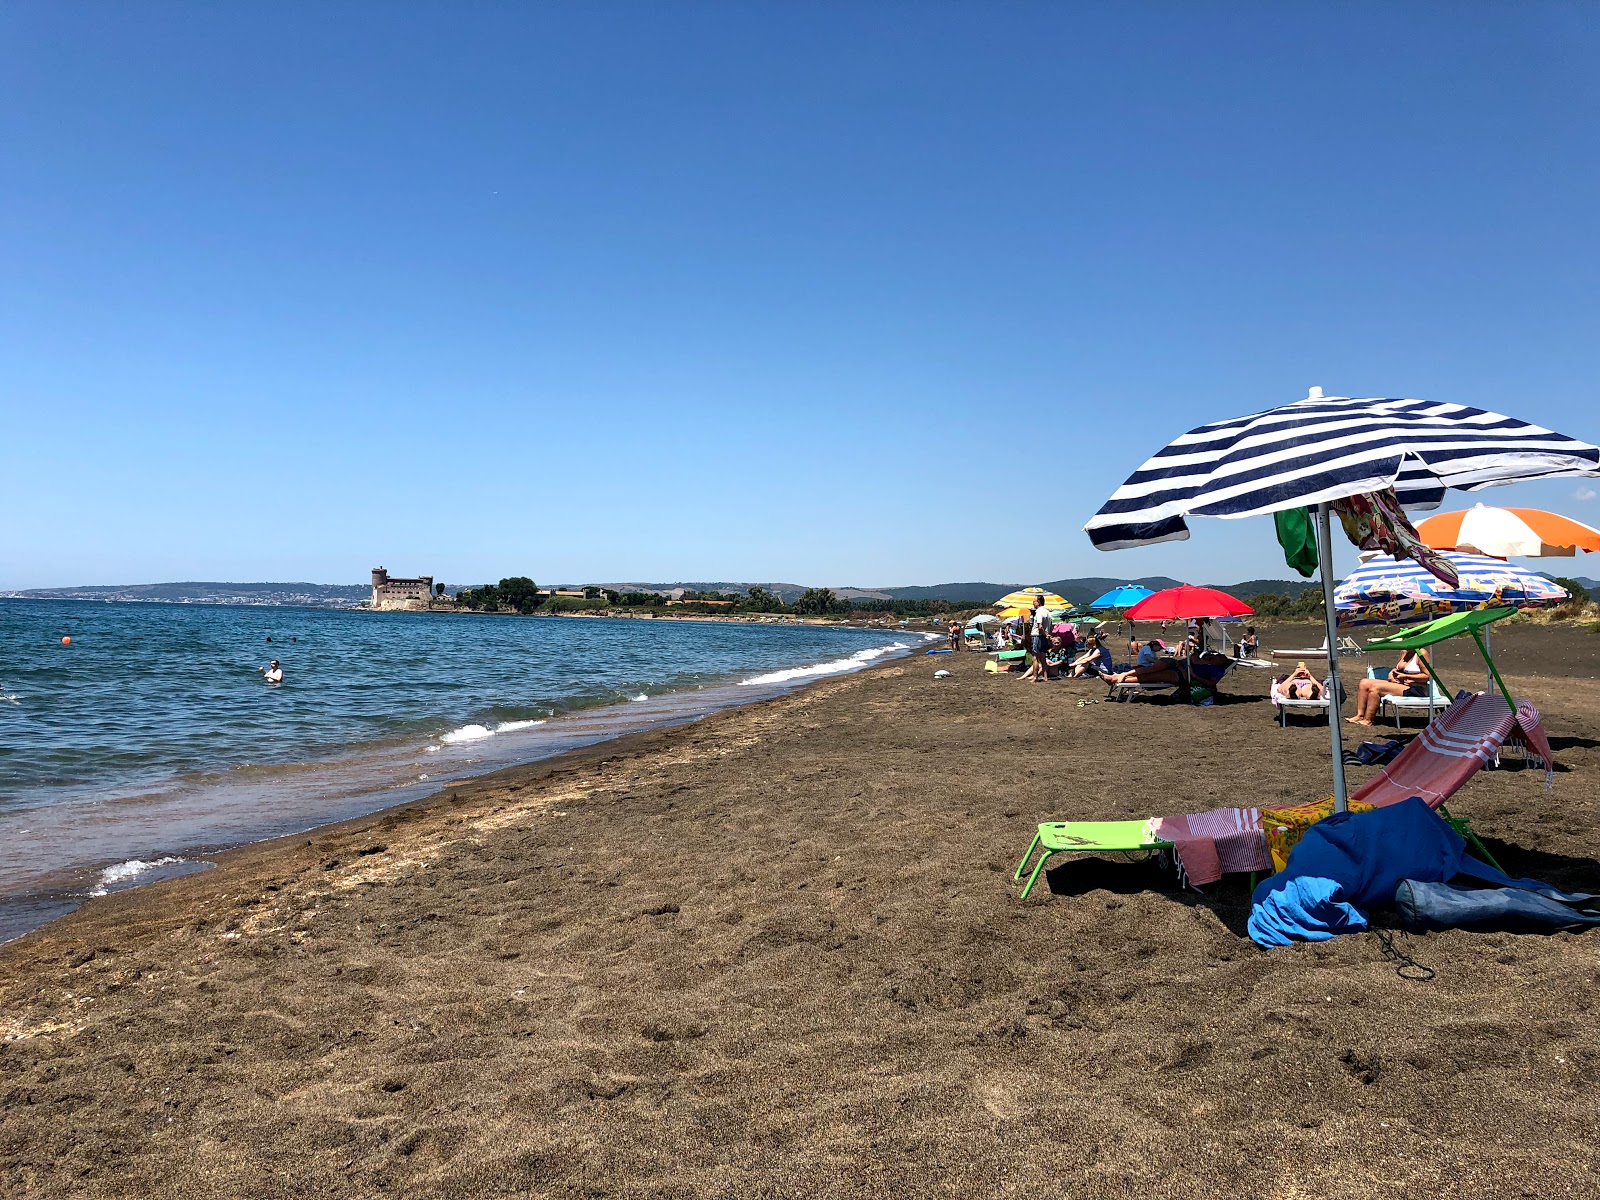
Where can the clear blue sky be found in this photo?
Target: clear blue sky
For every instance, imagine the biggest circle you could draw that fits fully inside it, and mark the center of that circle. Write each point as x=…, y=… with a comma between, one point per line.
x=751, y=291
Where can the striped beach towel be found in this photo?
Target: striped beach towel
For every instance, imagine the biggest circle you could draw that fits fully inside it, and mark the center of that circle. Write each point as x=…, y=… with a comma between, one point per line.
x=1211, y=843
x=1456, y=746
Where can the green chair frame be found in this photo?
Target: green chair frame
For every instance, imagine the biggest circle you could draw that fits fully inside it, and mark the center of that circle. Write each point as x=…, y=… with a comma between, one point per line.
x=1125, y=838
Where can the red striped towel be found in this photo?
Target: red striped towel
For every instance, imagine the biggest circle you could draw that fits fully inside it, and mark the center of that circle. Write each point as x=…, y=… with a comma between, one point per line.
x=1211, y=843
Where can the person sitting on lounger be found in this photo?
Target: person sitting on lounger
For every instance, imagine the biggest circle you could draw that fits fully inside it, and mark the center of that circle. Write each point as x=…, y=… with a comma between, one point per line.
x=1409, y=678
x=1300, y=685
x=1153, y=666
x=1248, y=645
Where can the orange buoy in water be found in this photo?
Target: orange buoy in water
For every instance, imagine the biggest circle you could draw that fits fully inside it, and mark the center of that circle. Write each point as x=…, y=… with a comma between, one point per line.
x=66, y=641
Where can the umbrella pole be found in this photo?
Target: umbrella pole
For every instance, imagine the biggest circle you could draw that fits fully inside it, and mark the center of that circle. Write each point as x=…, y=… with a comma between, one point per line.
x=1494, y=672
x=1335, y=717
x=1486, y=646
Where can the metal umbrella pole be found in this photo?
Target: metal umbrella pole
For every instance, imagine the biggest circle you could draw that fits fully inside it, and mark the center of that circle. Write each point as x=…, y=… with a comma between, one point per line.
x=1335, y=715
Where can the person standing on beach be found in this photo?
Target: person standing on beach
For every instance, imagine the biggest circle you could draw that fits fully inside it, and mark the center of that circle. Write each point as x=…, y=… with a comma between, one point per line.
x=955, y=636
x=1039, y=640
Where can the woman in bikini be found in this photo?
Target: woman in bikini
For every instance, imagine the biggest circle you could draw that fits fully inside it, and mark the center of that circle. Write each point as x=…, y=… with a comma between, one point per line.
x=1409, y=678
x=1300, y=685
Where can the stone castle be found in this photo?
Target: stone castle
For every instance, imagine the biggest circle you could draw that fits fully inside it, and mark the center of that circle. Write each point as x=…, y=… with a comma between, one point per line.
x=392, y=593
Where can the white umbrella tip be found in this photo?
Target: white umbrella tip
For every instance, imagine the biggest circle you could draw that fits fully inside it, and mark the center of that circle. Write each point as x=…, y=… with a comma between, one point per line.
x=1314, y=394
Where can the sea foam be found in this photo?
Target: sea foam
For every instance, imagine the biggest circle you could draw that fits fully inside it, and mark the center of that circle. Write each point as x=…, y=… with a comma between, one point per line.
x=476, y=733
x=123, y=871
x=836, y=667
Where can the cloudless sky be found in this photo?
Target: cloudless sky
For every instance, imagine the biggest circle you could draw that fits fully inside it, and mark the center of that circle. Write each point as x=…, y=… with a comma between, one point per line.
x=853, y=293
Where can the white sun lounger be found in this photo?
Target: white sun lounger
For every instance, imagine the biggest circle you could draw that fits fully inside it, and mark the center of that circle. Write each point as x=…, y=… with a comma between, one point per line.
x=1132, y=691
x=1347, y=645
x=1435, y=701
x=1286, y=704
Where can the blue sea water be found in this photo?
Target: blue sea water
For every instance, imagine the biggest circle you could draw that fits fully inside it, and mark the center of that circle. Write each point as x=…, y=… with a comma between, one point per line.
x=152, y=738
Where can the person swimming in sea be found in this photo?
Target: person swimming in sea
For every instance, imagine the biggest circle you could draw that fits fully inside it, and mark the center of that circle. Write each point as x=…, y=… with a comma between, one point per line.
x=273, y=673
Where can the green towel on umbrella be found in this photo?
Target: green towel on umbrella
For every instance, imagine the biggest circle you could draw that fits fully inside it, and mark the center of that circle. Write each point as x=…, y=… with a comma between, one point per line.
x=1298, y=537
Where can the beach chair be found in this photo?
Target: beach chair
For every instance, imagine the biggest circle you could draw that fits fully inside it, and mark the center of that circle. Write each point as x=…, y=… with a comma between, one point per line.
x=1285, y=704
x=1132, y=841
x=1347, y=645
x=1437, y=698
x=1006, y=660
x=1433, y=767
x=1123, y=692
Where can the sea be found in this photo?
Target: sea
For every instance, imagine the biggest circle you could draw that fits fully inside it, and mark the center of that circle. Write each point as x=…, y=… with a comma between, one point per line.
x=137, y=739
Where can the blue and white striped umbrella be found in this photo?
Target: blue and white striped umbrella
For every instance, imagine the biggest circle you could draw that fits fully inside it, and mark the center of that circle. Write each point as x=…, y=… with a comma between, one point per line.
x=1384, y=590
x=1326, y=448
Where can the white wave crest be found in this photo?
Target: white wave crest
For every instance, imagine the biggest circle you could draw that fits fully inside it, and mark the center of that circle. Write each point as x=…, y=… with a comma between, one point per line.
x=513, y=726
x=641, y=696
x=119, y=872
x=837, y=667
x=476, y=733
x=467, y=733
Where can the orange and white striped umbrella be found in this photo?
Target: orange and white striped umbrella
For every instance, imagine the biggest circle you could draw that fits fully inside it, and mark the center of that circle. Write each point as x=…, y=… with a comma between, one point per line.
x=1508, y=533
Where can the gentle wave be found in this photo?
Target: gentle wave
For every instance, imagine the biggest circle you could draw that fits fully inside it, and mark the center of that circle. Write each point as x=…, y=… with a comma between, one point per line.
x=476, y=733
x=123, y=871
x=837, y=667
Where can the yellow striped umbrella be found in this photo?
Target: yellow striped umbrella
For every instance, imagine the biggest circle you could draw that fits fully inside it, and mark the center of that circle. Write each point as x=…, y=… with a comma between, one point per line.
x=1024, y=597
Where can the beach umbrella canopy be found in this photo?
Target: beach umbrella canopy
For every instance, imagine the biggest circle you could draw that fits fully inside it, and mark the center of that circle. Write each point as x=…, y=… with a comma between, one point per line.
x=1327, y=448
x=1125, y=596
x=1384, y=590
x=983, y=619
x=1024, y=597
x=1508, y=533
x=1186, y=603
x=1010, y=614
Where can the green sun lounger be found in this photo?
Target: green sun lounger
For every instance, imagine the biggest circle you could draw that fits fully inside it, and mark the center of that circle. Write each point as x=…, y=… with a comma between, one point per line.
x=1127, y=838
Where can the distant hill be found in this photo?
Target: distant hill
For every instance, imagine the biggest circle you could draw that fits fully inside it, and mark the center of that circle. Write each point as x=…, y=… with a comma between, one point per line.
x=784, y=591
x=315, y=595
x=338, y=595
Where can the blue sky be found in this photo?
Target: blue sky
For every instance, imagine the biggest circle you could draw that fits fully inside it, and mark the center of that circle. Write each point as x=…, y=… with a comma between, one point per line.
x=838, y=293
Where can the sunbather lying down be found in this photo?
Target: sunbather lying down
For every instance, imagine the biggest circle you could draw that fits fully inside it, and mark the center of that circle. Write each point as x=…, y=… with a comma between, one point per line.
x=1299, y=684
x=1207, y=668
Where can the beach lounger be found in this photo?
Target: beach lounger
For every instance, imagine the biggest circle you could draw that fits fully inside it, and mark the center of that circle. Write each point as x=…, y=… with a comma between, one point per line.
x=1347, y=645
x=1132, y=840
x=1436, y=700
x=1123, y=692
x=1006, y=660
x=1289, y=704
x=1433, y=767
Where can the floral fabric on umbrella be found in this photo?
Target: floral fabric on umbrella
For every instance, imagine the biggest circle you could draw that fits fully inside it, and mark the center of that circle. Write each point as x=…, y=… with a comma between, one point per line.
x=1375, y=521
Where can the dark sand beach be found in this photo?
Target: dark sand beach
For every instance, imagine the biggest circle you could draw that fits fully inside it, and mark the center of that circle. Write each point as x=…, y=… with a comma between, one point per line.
x=780, y=954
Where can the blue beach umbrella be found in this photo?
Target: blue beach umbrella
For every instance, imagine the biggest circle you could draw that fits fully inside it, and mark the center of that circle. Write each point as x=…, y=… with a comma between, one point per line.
x=1387, y=591
x=1326, y=448
x=1125, y=596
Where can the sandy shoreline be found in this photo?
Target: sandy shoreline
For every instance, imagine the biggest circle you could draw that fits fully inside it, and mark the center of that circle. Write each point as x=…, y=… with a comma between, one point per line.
x=779, y=952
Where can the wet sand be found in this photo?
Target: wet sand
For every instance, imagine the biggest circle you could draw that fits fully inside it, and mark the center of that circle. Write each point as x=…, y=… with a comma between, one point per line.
x=779, y=953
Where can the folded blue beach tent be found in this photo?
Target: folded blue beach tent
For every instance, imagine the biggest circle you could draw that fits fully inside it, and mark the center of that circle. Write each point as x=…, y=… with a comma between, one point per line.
x=1354, y=861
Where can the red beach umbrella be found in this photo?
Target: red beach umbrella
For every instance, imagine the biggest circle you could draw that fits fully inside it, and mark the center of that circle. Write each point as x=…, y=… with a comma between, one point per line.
x=1187, y=603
